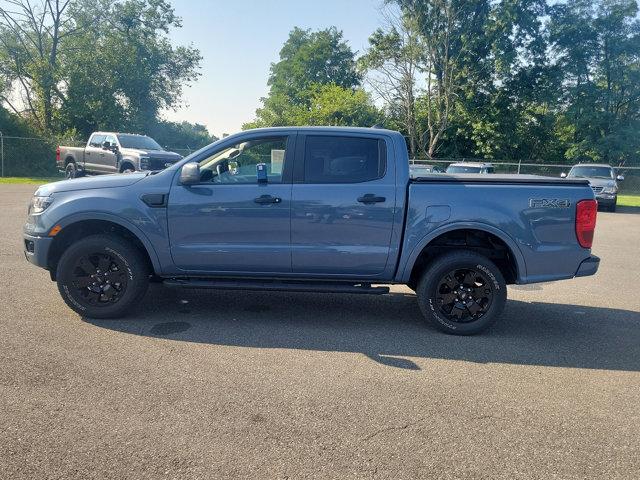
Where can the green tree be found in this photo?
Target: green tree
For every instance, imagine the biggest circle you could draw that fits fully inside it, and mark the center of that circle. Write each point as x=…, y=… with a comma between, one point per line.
x=181, y=135
x=307, y=60
x=337, y=106
x=393, y=62
x=90, y=64
x=598, y=45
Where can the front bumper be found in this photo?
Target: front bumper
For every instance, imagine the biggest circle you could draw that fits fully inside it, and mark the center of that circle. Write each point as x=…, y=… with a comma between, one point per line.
x=588, y=266
x=36, y=249
x=607, y=200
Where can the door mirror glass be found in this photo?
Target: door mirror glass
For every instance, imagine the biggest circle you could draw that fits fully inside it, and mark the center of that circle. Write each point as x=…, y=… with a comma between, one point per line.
x=620, y=178
x=190, y=174
x=563, y=175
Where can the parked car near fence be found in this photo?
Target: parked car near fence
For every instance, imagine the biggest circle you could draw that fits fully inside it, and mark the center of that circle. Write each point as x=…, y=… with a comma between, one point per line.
x=112, y=152
x=311, y=209
x=419, y=169
x=603, y=181
x=470, y=167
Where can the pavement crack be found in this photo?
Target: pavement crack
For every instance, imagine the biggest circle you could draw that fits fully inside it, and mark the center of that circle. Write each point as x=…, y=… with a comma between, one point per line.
x=390, y=429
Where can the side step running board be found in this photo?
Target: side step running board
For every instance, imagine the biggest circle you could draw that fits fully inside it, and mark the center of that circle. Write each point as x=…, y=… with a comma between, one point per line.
x=318, y=287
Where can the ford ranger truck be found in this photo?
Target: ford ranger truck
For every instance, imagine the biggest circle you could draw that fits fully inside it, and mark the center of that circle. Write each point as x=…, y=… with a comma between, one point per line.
x=110, y=152
x=315, y=210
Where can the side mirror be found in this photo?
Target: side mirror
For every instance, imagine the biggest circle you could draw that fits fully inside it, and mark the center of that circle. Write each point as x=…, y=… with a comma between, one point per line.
x=110, y=146
x=563, y=175
x=190, y=174
x=620, y=178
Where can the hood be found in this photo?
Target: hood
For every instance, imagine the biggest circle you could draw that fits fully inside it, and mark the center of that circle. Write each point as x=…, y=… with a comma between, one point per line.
x=86, y=183
x=162, y=154
x=601, y=182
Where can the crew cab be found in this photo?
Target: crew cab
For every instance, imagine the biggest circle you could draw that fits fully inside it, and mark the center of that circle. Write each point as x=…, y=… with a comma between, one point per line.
x=111, y=152
x=311, y=209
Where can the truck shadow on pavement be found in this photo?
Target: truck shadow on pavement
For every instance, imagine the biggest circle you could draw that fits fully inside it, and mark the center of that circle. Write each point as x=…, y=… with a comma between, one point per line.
x=387, y=329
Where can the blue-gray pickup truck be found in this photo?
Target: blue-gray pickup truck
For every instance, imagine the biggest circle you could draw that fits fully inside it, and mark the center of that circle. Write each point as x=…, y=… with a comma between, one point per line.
x=311, y=209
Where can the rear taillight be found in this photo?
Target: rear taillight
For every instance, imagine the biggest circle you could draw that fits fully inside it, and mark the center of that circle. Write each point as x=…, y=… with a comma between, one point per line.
x=58, y=154
x=586, y=212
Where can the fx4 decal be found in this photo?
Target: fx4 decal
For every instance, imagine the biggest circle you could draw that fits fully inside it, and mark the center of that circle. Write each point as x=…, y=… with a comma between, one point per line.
x=549, y=203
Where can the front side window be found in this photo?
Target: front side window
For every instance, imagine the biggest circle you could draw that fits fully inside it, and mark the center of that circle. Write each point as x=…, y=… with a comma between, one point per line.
x=111, y=139
x=96, y=141
x=239, y=163
x=330, y=159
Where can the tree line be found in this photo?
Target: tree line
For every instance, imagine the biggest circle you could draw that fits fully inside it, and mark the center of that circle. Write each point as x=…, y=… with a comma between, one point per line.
x=69, y=67
x=531, y=80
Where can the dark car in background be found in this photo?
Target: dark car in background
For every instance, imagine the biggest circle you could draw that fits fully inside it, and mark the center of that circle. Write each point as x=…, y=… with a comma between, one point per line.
x=603, y=181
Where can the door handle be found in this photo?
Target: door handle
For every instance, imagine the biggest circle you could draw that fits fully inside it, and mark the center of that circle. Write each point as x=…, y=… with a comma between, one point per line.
x=266, y=199
x=371, y=198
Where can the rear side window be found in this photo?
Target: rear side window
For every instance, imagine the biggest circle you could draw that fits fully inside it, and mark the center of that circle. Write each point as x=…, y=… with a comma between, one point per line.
x=330, y=159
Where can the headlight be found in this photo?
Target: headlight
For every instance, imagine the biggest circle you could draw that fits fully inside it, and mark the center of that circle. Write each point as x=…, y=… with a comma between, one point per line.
x=39, y=204
x=144, y=163
x=609, y=190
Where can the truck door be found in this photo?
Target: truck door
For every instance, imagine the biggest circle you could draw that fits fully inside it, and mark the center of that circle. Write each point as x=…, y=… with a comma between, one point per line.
x=109, y=158
x=92, y=153
x=343, y=205
x=232, y=221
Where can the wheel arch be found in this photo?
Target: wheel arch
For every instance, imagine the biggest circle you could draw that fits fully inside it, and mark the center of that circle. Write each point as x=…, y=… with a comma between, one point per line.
x=82, y=225
x=126, y=162
x=512, y=266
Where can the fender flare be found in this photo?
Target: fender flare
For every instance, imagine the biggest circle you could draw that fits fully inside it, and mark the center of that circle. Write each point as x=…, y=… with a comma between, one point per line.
x=407, y=266
x=139, y=234
x=126, y=160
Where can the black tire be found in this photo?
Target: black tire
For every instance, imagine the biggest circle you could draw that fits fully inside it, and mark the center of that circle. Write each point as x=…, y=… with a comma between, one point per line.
x=612, y=208
x=120, y=286
x=70, y=171
x=127, y=168
x=480, y=296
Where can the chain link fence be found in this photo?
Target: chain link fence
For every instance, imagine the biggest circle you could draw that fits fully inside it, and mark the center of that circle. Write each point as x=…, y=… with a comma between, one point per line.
x=36, y=157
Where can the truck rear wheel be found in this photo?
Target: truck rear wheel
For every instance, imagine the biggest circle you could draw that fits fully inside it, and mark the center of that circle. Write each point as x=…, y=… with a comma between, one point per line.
x=102, y=276
x=462, y=293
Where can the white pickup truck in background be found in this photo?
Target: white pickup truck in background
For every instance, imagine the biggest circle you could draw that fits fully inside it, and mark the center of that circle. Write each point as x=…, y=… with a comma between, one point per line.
x=111, y=152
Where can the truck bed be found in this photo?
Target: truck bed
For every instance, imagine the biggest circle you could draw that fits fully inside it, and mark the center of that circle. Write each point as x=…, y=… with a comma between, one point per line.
x=508, y=179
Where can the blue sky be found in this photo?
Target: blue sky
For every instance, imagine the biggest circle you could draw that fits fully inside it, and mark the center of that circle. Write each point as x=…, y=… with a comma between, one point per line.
x=238, y=40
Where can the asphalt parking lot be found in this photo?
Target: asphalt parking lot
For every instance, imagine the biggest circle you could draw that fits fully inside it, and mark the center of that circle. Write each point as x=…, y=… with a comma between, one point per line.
x=205, y=384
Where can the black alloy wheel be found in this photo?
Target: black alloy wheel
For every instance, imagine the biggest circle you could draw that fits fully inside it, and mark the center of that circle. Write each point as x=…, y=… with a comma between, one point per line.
x=462, y=292
x=103, y=276
x=100, y=279
x=464, y=295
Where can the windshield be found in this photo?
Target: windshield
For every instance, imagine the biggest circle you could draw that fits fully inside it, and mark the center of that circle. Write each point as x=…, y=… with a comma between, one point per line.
x=462, y=169
x=591, y=172
x=138, y=142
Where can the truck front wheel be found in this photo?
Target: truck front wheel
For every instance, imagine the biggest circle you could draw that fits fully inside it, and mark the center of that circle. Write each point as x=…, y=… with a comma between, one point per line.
x=71, y=171
x=462, y=293
x=102, y=276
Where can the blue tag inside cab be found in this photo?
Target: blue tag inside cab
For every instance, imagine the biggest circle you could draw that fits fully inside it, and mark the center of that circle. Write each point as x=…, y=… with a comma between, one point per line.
x=261, y=172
